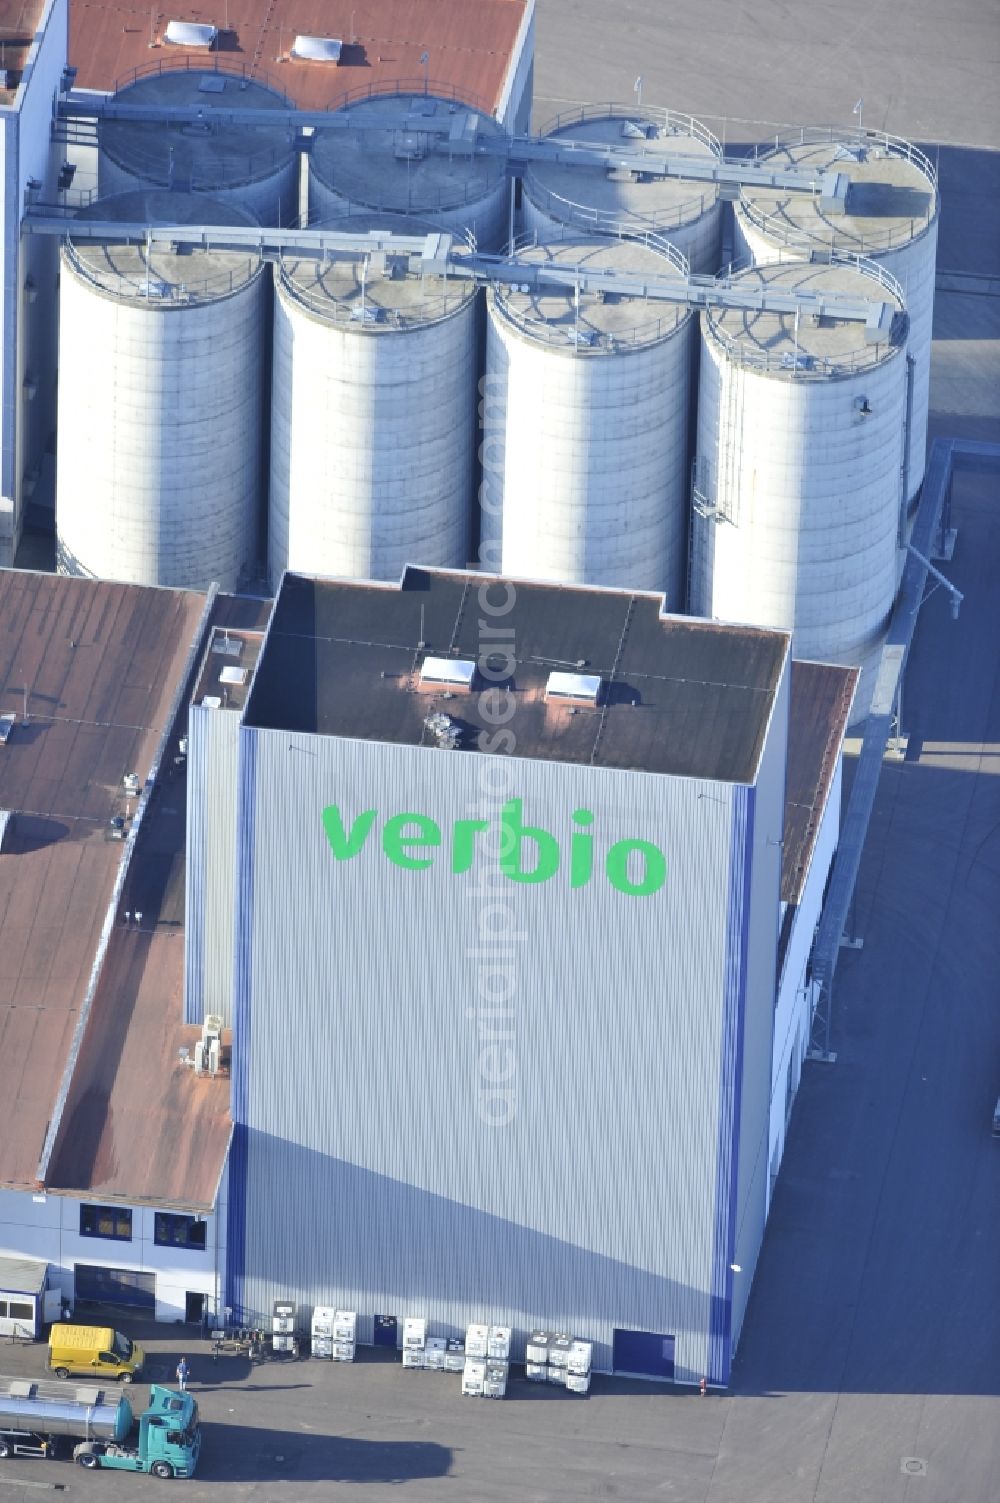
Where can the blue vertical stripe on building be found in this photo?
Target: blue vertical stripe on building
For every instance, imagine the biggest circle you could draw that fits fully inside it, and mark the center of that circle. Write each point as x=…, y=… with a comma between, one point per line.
x=731, y=1064
x=243, y=976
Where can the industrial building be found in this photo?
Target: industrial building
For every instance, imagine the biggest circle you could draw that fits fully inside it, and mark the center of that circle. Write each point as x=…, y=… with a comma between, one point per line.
x=644, y=1019
x=560, y=1092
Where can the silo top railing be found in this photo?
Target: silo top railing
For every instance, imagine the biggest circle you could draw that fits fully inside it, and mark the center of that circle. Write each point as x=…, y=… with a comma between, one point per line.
x=145, y=286
x=668, y=122
x=777, y=226
x=580, y=339
x=606, y=221
x=213, y=62
x=802, y=364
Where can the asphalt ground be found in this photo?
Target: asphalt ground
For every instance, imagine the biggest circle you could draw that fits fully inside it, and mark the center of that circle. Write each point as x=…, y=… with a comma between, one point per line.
x=869, y=1365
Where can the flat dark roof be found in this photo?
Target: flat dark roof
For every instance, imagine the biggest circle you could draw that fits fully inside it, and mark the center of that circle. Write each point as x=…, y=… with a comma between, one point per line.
x=680, y=696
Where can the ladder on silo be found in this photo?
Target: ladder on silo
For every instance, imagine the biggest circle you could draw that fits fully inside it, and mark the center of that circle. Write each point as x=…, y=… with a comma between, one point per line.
x=729, y=468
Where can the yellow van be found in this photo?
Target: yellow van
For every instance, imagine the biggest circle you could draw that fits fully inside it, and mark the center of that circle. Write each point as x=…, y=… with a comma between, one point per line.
x=94, y=1349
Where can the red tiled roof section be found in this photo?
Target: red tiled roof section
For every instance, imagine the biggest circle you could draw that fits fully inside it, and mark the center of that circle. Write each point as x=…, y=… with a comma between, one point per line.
x=101, y=663
x=471, y=45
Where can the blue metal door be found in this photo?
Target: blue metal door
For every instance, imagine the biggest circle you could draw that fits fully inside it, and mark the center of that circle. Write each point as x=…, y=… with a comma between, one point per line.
x=644, y=1354
x=385, y=1331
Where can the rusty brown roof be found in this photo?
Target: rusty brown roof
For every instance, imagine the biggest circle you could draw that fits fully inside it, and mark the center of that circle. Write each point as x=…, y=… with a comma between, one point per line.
x=470, y=45
x=821, y=700
x=138, y=1124
x=100, y=662
x=18, y=22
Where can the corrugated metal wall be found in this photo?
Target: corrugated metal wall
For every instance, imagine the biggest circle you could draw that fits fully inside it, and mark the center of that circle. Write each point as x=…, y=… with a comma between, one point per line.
x=372, y=1180
x=210, y=897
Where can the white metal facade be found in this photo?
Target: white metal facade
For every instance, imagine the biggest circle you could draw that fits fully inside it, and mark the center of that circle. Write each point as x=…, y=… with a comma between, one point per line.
x=47, y=1227
x=372, y=440
x=160, y=406
x=209, y=891
x=632, y=1172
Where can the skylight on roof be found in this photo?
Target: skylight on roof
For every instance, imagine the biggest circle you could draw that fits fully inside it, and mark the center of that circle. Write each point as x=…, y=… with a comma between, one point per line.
x=575, y=688
x=448, y=673
x=317, y=49
x=190, y=34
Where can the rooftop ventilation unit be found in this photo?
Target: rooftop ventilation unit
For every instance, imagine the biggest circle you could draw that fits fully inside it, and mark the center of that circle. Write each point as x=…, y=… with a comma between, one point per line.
x=317, y=49
x=233, y=676
x=457, y=674
x=208, y=1049
x=190, y=34
x=573, y=688
x=446, y=732
x=7, y=724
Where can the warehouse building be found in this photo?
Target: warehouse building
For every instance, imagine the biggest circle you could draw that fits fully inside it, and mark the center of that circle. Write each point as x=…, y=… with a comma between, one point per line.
x=112, y=1147
x=503, y=1024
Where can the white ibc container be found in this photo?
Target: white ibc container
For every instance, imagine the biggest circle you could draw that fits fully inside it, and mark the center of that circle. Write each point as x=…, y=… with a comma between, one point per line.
x=414, y=1333
x=434, y=1353
x=562, y=199
x=798, y=505
x=454, y=1361
x=498, y=1343
x=372, y=415
x=414, y=1356
x=382, y=161
x=537, y=1349
x=473, y=1378
x=477, y=1341
x=255, y=168
x=891, y=218
x=585, y=418
x=557, y=1375
x=345, y=1325
x=579, y=1358
x=343, y=1351
x=160, y=404
x=578, y=1382
x=559, y=1351
x=536, y=1372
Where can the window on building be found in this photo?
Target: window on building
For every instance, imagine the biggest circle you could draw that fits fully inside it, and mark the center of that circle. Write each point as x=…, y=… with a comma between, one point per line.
x=14, y=1310
x=179, y=1231
x=114, y=1222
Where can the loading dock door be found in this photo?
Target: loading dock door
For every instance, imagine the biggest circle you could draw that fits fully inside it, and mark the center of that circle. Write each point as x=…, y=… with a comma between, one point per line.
x=643, y=1354
x=116, y=1286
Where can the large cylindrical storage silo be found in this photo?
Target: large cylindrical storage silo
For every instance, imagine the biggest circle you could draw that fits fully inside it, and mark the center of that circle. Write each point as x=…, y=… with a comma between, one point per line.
x=561, y=198
x=797, y=499
x=372, y=413
x=371, y=165
x=160, y=402
x=254, y=167
x=891, y=218
x=585, y=415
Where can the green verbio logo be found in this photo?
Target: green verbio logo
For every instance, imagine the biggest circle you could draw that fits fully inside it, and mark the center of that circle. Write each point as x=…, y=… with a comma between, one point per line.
x=525, y=853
